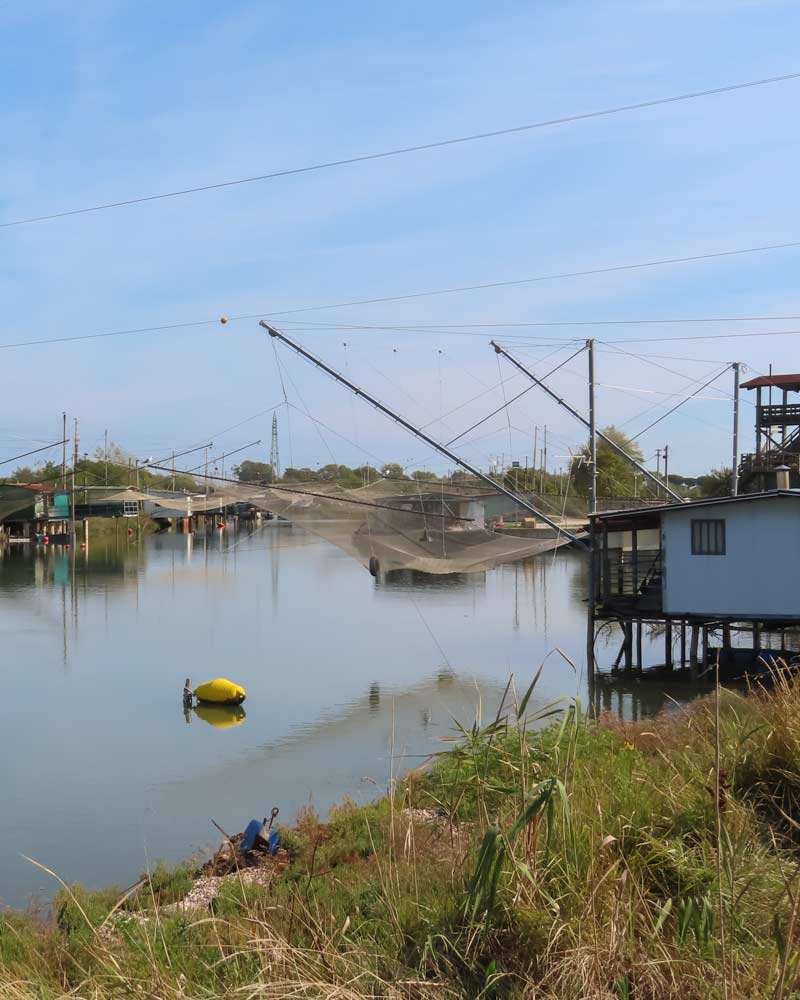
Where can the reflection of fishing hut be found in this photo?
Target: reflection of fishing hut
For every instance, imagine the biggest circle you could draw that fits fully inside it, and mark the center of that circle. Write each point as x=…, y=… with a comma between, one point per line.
x=720, y=571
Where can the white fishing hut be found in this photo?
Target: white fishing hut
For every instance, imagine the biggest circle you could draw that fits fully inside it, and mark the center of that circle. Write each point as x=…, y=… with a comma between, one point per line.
x=730, y=563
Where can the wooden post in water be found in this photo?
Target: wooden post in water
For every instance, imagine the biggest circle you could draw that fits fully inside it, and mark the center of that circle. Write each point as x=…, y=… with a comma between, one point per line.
x=639, y=644
x=726, y=642
x=695, y=640
x=668, y=644
x=628, y=630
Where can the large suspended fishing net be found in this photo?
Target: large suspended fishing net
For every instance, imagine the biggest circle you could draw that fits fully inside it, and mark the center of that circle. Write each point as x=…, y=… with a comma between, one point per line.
x=385, y=526
x=386, y=531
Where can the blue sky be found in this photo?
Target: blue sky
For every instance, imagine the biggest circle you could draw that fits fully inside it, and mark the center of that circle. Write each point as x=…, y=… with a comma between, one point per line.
x=112, y=100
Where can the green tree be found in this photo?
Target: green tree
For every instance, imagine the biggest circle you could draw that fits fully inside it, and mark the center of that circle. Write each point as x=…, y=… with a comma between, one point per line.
x=425, y=476
x=615, y=475
x=367, y=474
x=393, y=471
x=303, y=475
x=253, y=472
x=716, y=483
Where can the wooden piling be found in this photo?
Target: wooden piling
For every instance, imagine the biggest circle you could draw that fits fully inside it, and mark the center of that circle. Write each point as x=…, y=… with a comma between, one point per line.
x=668, y=644
x=694, y=642
x=628, y=630
x=639, y=644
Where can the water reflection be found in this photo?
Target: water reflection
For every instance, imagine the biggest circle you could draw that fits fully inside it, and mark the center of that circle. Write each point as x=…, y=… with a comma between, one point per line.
x=406, y=580
x=634, y=698
x=220, y=716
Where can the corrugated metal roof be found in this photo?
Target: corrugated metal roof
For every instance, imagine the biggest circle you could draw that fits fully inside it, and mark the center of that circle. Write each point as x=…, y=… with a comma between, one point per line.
x=776, y=381
x=691, y=504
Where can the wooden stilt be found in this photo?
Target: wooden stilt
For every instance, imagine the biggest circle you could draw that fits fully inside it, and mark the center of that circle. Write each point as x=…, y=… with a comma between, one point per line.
x=668, y=644
x=639, y=645
x=621, y=652
x=695, y=640
x=628, y=628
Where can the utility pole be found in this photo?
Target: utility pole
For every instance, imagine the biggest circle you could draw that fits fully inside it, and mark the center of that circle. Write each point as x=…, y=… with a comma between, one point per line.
x=666, y=465
x=105, y=451
x=535, y=440
x=274, y=453
x=592, y=433
x=74, y=469
x=590, y=620
x=64, y=451
x=586, y=423
x=544, y=461
x=735, y=462
x=658, y=471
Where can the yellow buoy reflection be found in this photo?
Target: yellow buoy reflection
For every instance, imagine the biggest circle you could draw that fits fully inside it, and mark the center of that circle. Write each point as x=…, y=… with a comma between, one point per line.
x=220, y=716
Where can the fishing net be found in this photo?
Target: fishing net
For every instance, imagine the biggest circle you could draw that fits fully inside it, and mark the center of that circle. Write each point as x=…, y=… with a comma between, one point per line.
x=385, y=531
x=19, y=501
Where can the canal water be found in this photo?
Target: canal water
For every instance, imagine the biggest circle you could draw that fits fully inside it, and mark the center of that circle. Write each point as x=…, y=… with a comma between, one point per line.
x=350, y=681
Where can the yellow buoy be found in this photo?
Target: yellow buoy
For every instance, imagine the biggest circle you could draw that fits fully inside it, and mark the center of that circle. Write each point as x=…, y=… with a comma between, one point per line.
x=221, y=691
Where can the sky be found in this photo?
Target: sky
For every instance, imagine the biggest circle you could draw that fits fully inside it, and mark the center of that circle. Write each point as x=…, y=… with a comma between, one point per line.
x=106, y=101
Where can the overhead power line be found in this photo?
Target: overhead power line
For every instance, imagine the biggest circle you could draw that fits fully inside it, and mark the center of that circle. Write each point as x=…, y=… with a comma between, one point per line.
x=425, y=327
x=35, y=451
x=707, y=336
x=464, y=288
x=544, y=277
x=679, y=404
x=401, y=150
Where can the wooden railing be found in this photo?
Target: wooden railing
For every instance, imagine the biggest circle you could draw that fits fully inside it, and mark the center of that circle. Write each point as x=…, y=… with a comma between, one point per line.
x=779, y=416
x=629, y=580
x=769, y=460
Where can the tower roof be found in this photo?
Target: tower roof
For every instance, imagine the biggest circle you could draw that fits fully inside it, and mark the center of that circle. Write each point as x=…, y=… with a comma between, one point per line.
x=790, y=382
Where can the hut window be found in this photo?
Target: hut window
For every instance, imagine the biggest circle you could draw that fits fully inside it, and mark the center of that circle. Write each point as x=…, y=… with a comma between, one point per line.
x=708, y=537
x=130, y=508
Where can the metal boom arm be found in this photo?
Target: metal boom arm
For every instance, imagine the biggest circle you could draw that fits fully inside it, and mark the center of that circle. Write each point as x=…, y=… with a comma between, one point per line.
x=442, y=449
x=579, y=416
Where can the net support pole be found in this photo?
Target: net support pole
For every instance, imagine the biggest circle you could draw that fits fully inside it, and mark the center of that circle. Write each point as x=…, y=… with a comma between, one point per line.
x=442, y=449
x=592, y=433
x=735, y=462
x=579, y=416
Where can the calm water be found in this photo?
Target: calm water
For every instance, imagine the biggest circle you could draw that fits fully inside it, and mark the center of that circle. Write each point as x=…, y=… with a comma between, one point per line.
x=348, y=678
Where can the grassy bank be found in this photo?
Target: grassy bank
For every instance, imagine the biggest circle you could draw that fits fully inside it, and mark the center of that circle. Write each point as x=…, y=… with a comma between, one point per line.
x=585, y=859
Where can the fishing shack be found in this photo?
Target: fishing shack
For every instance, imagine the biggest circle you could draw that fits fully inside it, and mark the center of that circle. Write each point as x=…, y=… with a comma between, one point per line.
x=724, y=566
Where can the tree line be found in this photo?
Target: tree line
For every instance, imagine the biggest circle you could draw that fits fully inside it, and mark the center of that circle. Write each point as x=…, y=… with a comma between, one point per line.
x=615, y=476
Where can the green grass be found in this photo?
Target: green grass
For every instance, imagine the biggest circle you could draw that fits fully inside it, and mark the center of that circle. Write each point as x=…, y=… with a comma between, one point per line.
x=573, y=858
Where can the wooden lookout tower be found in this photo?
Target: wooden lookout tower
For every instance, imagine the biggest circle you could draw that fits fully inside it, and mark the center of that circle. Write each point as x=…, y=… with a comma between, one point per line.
x=777, y=434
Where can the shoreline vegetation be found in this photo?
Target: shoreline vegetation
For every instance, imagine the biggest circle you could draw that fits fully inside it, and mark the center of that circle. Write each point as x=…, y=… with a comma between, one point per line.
x=543, y=855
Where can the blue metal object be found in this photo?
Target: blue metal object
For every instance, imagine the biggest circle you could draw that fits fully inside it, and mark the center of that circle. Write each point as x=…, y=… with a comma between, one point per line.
x=273, y=841
x=251, y=833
